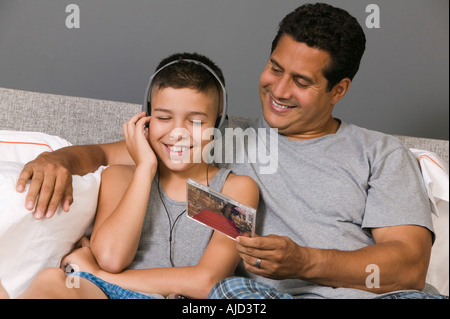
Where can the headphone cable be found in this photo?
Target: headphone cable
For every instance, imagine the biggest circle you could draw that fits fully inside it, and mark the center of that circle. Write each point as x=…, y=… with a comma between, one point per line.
x=172, y=226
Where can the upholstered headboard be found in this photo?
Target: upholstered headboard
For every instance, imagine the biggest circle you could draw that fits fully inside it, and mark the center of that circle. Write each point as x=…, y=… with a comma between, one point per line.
x=90, y=121
x=78, y=120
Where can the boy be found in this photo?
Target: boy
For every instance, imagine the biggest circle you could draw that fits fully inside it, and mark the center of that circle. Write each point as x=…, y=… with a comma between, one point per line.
x=142, y=242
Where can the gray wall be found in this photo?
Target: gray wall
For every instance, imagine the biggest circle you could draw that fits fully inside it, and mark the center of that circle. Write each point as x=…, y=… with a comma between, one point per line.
x=402, y=86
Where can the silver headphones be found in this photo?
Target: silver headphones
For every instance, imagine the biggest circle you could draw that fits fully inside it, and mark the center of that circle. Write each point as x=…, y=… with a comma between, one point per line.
x=221, y=121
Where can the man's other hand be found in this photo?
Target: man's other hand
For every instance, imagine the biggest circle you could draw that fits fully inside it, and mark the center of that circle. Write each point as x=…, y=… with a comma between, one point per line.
x=50, y=186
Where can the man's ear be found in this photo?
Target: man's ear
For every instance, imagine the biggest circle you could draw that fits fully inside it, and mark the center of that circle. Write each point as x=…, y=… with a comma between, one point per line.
x=340, y=89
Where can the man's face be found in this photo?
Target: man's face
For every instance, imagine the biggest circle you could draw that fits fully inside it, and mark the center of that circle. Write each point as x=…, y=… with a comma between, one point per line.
x=293, y=91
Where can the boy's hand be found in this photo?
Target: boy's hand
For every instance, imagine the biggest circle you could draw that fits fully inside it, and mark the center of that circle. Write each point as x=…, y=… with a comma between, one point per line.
x=51, y=180
x=81, y=259
x=136, y=138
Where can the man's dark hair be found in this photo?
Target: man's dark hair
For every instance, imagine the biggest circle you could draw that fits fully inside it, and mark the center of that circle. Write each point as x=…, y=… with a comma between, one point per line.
x=190, y=75
x=330, y=29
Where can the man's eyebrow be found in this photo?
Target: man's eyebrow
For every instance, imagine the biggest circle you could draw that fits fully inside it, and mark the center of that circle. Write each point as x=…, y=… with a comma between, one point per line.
x=294, y=74
x=274, y=62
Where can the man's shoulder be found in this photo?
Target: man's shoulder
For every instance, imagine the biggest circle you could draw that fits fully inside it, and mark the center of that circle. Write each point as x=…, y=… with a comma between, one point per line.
x=369, y=138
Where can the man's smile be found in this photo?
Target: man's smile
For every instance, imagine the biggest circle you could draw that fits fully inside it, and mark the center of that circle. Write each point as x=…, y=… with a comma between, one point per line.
x=278, y=107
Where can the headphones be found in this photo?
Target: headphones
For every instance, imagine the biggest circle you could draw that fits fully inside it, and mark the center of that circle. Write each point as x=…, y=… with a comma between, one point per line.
x=221, y=121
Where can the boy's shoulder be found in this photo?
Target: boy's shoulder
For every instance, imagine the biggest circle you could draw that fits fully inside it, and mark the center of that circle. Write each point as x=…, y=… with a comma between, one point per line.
x=242, y=188
x=239, y=179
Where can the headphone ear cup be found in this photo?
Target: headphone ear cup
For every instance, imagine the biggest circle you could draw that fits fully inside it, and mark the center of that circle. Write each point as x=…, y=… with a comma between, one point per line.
x=220, y=128
x=216, y=125
x=147, y=111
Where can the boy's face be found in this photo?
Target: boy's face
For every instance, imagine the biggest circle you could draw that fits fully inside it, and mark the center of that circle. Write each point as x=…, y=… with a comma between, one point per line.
x=179, y=118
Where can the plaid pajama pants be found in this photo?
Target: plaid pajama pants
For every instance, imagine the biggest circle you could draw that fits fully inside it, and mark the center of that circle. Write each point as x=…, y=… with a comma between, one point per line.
x=244, y=288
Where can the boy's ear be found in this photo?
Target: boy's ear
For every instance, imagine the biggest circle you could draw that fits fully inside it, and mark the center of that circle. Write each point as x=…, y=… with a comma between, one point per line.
x=340, y=89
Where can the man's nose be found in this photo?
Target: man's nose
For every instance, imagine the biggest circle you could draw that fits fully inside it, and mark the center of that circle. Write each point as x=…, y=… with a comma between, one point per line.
x=281, y=89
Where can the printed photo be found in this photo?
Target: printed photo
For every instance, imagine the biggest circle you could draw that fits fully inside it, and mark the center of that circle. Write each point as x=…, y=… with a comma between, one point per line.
x=219, y=212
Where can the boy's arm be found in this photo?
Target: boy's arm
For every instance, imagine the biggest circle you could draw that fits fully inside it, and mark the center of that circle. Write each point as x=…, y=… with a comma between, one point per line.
x=121, y=211
x=218, y=261
x=51, y=173
x=122, y=202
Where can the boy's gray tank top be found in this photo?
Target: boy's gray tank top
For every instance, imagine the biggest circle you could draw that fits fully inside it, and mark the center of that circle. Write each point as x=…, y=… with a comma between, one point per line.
x=189, y=237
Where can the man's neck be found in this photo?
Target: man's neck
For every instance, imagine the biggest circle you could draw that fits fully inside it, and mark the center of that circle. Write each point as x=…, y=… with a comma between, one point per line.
x=330, y=127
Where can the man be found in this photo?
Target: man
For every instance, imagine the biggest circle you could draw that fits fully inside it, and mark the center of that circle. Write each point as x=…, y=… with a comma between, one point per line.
x=338, y=219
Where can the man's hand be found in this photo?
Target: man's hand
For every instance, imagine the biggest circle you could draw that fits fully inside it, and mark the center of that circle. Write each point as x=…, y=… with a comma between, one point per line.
x=281, y=258
x=402, y=254
x=51, y=184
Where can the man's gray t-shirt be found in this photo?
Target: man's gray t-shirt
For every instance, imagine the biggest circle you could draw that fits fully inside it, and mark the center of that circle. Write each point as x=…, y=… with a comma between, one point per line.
x=330, y=191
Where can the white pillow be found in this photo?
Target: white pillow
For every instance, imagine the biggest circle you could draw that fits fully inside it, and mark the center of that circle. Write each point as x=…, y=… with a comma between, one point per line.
x=436, y=181
x=22, y=147
x=29, y=245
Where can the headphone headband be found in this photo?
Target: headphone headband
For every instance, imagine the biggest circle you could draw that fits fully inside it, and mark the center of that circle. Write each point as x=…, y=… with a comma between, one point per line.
x=220, y=124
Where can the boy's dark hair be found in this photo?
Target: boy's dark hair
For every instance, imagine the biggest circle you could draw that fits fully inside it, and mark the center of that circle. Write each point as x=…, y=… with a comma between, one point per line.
x=330, y=29
x=190, y=75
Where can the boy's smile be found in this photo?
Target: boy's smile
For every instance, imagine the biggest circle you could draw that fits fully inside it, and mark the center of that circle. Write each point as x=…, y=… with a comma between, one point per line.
x=177, y=150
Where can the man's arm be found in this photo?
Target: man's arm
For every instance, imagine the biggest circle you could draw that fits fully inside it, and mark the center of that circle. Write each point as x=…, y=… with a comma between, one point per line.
x=401, y=255
x=51, y=173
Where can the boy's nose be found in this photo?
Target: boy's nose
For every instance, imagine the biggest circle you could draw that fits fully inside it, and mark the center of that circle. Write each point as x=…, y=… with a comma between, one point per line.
x=178, y=134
